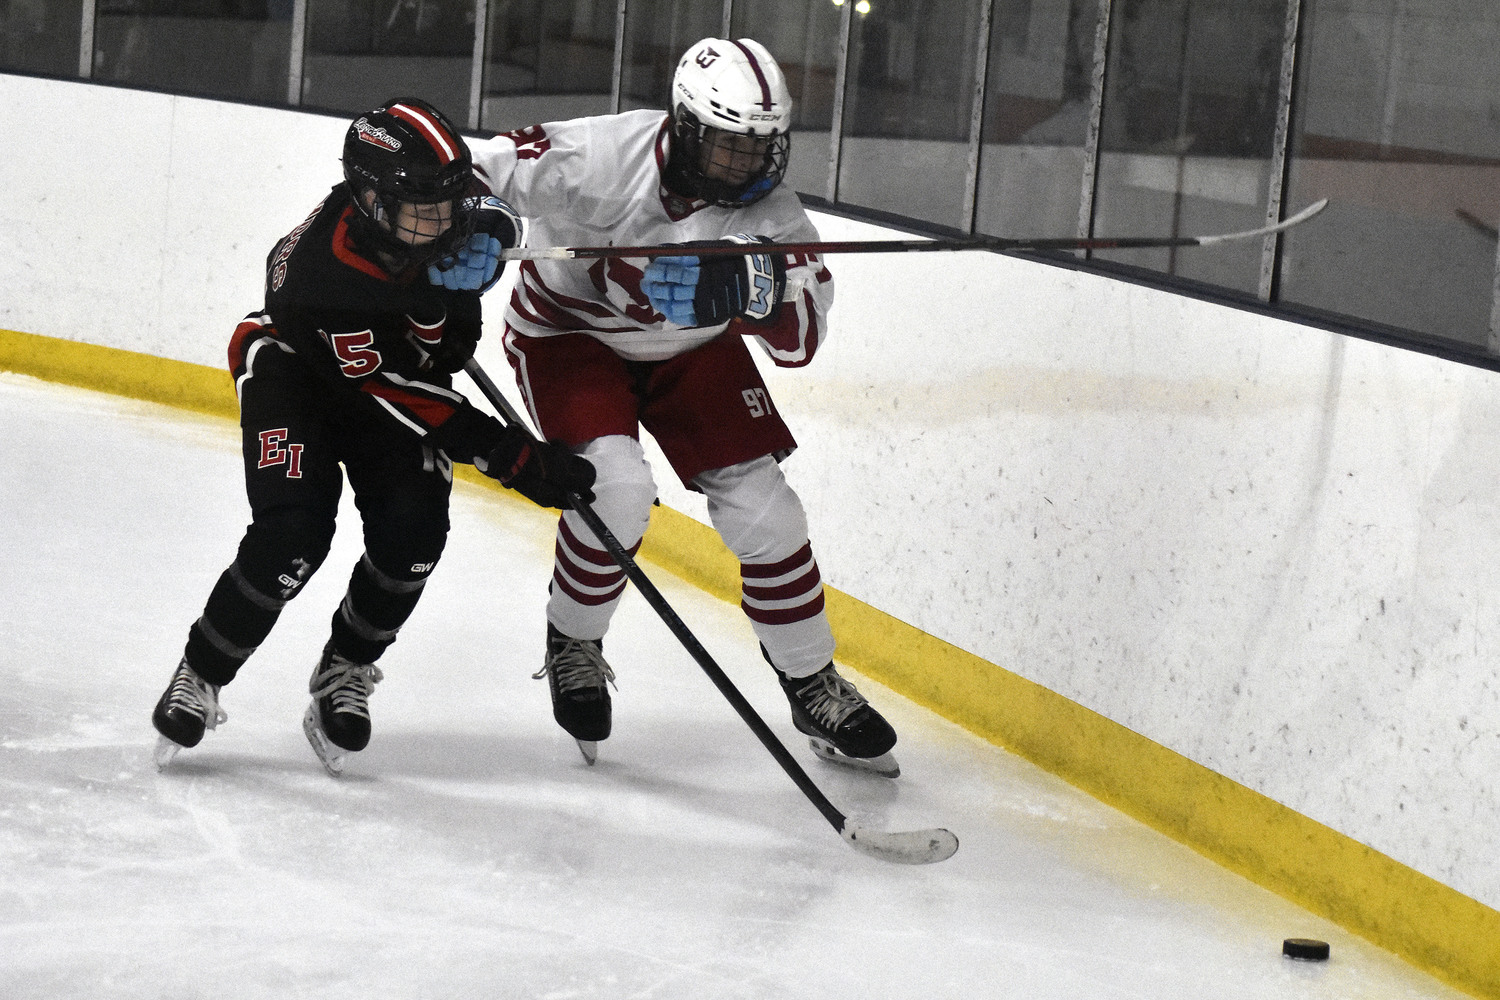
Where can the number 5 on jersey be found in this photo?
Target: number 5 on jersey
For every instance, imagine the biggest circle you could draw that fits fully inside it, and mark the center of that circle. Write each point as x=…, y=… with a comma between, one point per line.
x=355, y=351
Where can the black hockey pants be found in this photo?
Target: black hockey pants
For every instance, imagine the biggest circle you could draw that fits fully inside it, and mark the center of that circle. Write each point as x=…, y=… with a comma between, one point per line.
x=296, y=432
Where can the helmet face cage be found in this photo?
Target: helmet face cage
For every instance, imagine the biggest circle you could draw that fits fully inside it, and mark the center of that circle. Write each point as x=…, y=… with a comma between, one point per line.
x=409, y=174
x=723, y=94
x=696, y=146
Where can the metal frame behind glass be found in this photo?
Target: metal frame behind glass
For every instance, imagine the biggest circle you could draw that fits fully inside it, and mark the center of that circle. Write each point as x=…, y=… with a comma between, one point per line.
x=1281, y=154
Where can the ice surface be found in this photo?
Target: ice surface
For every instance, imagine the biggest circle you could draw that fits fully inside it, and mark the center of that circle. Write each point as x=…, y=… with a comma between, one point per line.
x=470, y=851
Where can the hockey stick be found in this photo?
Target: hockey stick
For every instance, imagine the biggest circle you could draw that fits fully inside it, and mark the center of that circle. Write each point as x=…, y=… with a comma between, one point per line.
x=917, y=847
x=907, y=246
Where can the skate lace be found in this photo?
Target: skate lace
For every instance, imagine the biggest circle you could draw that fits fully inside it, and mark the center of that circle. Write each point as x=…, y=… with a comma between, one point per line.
x=348, y=685
x=578, y=664
x=194, y=695
x=830, y=699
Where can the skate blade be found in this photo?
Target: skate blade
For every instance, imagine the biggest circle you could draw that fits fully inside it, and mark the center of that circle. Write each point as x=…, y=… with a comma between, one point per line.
x=589, y=749
x=165, y=750
x=331, y=756
x=885, y=765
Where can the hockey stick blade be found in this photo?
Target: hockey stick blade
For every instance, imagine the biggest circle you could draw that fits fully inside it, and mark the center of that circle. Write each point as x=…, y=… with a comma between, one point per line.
x=915, y=847
x=914, y=246
x=898, y=848
x=1282, y=226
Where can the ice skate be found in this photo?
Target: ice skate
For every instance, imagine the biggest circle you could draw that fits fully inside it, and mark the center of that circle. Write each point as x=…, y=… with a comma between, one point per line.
x=187, y=707
x=579, y=679
x=337, y=720
x=839, y=723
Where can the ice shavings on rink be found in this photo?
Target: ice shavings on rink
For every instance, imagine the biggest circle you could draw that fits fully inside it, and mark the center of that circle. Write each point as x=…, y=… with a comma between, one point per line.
x=470, y=852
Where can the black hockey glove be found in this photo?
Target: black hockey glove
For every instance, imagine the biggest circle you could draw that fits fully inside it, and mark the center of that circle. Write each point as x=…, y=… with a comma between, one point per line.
x=441, y=346
x=543, y=472
x=457, y=347
x=706, y=291
x=477, y=264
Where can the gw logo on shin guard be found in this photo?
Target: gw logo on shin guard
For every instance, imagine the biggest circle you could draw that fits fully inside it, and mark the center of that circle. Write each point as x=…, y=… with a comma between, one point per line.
x=274, y=451
x=290, y=583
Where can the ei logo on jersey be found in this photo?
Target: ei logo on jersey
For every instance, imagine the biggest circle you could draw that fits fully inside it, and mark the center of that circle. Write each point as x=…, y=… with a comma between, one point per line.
x=275, y=450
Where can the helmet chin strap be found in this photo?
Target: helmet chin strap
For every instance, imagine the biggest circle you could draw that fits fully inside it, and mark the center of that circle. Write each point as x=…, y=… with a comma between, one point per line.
x=677, y=177
x=376, y=235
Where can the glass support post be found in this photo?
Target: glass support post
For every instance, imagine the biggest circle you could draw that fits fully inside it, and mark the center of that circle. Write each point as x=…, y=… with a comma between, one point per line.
x=840, y=73
x=1096, y=115
x=1493, y=342
x=1276, y=182
x=298, y=50
x=476, y=65
x=618, y=74
x=976, y=115
x=86, y=41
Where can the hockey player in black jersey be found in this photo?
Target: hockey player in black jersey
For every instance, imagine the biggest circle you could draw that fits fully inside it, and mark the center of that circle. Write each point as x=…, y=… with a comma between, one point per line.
x=371, y=304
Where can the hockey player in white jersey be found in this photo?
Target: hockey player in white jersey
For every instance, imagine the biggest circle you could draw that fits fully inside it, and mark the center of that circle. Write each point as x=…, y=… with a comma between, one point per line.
x=603, y=348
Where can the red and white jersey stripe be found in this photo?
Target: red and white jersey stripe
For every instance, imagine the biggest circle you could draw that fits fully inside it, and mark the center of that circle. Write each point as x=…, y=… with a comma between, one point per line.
x=596, y=181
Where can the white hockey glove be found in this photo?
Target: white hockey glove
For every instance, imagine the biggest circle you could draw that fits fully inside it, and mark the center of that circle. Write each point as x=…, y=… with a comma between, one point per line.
x=708, y=290
x=477, y=265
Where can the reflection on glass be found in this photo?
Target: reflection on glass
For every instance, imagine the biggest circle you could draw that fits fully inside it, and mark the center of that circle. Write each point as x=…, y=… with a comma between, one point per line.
x=656, y=36
x=1189, y=130
x=40, y=36
x=803, y=35
x=1395, y=113
x=1036, y=117
x=548, y=62
x=909, y=108
x=1398, y=125
x=216, y=48
x=361, y=52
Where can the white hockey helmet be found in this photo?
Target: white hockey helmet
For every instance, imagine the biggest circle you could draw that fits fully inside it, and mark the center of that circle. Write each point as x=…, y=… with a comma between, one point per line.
x=729, y=87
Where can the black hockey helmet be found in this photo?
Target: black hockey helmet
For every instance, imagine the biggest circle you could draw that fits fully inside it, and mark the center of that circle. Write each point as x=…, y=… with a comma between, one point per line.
x=729, y=104
x=407, y=153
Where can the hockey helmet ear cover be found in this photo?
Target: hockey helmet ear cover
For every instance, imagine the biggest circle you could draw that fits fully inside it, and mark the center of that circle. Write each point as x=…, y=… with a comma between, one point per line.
x=407, y=152
x=725, y=88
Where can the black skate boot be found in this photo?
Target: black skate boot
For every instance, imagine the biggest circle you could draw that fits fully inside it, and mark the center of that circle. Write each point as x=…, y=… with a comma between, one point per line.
x=337, y=721
x=187, y=707
x=839, y=723
x=579, y=679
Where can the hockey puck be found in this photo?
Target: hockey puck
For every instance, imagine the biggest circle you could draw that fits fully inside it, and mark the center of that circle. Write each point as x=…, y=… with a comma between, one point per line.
x=1305, y=949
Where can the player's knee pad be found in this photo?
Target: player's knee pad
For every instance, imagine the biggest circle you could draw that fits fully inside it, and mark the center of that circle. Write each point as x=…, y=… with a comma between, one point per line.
x=406, y=547
x=283, y=547
x=755, y=510
x=624, y=489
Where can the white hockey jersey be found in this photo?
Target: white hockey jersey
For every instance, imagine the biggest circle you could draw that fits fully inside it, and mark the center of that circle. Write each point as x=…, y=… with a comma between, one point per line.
x=598, y=181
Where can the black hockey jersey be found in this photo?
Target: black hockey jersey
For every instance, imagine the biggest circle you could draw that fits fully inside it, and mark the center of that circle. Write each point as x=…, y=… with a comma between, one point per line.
x=364, y=330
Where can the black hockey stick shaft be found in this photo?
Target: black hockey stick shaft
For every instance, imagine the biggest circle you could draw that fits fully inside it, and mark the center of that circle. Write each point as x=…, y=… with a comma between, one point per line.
x=912, y=246
x=684, y=635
